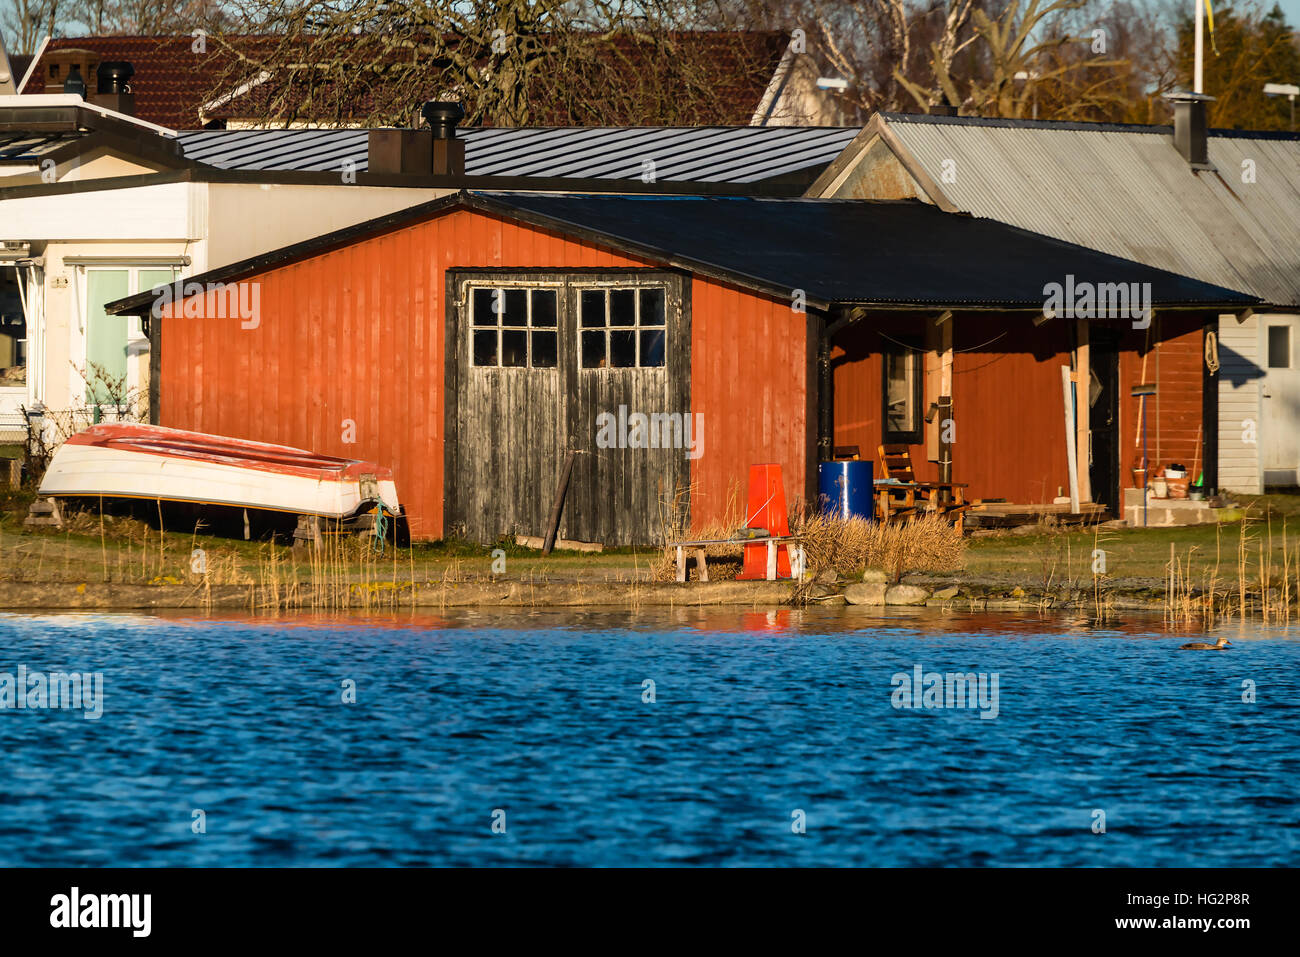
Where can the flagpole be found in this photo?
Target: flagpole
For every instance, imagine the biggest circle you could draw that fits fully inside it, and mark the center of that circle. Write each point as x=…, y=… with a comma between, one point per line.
x=1198, y=78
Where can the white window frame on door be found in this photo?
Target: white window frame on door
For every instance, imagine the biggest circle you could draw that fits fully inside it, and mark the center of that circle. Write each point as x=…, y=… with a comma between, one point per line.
x=137, y=343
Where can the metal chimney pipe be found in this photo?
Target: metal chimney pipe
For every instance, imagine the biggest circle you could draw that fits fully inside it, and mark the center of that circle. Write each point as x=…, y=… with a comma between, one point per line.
x=442, y=118
x=75, y=83
x=1191, y=130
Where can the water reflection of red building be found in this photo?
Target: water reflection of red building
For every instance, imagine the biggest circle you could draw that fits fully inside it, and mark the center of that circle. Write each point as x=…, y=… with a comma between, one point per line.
x=727, y=619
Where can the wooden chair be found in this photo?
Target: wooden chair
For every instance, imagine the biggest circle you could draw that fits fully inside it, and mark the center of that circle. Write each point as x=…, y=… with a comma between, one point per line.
x=896, y=461
x=900, y=502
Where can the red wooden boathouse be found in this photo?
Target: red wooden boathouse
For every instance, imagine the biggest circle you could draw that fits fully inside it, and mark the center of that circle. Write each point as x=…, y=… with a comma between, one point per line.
x=471, y=342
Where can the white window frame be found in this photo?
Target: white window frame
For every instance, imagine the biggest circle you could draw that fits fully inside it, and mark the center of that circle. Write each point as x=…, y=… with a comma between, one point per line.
x=1268, y=347
x=473, y=285
x=636, y=328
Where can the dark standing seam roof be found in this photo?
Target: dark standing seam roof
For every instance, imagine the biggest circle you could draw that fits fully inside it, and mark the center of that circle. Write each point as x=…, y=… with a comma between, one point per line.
x=889, y=253
x=30, y=147
x=718, y=154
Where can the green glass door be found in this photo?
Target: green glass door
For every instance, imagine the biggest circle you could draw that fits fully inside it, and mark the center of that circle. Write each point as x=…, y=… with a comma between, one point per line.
x=105, y=336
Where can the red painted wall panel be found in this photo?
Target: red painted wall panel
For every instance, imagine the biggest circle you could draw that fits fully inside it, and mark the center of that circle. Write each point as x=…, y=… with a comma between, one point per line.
x=1174, y=353
x=748, y=376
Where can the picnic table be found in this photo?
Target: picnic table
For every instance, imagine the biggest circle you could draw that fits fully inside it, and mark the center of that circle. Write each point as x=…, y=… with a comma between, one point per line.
x=894, y=498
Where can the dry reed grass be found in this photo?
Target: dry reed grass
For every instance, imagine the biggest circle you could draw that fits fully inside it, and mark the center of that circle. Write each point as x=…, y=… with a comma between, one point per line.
x=850, y=546
x=847, y=547
x=1196, y=596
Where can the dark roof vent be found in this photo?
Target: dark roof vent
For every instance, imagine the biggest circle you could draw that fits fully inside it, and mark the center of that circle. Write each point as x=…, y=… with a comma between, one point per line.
x=442, y=118
x=75, y=83
x=943, y=108
x=113, y=76
x=1191, y=131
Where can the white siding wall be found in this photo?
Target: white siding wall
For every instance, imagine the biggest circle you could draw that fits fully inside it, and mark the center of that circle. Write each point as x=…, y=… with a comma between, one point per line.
x=1239, y=382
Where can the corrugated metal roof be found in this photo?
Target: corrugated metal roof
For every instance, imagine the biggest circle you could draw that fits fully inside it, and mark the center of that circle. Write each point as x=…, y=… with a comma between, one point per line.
x=743, y=154
x=1126, y=190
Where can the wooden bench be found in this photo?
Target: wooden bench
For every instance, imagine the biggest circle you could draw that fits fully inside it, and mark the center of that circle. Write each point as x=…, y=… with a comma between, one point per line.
x=697, y=548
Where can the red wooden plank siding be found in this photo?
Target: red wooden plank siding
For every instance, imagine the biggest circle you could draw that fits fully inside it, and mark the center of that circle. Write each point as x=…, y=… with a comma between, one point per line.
x=748, y=376
x=1175, y=357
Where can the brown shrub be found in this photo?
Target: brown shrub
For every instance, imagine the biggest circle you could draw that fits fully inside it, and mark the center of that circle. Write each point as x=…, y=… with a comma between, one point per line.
x=725, y=560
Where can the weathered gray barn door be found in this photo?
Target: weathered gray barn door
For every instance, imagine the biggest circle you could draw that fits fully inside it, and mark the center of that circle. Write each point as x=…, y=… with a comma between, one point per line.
x=630, y=389
x=541, y=363
x=506, y=426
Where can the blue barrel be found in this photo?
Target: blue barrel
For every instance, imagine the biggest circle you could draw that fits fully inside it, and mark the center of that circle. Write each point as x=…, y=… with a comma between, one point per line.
x=845, y=489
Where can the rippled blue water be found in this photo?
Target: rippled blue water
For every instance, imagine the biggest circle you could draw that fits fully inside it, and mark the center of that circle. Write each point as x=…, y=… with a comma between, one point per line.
x=541, y=715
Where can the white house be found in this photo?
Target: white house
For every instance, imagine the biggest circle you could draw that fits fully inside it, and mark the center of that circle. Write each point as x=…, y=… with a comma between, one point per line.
x=96, y=205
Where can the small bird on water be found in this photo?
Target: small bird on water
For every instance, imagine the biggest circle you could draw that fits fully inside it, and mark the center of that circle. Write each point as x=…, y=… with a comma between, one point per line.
x=1205, y=646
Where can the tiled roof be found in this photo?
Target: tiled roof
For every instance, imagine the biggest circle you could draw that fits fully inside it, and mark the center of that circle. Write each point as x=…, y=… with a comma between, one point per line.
x=172, y=82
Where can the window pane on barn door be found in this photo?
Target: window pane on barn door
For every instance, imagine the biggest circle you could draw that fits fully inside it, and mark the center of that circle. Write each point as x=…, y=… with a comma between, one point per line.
x=514, y=348
x=652, y=347
x=652, y=307
x=622, y=350
x=516, y=308
x=543, y=307
x=483, y=299
x=544, y=350
x=592, y=307
x=485, y=347
x=622, y=307
x=593, y=350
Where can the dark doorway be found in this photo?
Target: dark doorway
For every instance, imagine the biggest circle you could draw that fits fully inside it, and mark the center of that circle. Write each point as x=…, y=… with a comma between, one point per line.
x=1103, y=417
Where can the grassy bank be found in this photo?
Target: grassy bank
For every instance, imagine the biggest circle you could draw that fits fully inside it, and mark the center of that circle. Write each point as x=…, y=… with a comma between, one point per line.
x=1179, y=565
x=125, y=550
x=1038, y=553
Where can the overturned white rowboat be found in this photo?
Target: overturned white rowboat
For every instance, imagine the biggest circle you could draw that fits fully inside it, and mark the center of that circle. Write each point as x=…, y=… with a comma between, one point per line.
x=125, y=460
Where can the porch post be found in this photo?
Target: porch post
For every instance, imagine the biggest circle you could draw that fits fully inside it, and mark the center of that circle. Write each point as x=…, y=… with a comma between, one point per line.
x=1083, y=408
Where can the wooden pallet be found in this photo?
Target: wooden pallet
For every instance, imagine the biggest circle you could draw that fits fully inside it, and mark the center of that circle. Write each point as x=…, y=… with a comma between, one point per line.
x=1009, y=515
